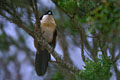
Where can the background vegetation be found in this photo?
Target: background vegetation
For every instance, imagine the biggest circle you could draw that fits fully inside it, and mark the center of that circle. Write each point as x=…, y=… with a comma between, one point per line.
x=92, y=25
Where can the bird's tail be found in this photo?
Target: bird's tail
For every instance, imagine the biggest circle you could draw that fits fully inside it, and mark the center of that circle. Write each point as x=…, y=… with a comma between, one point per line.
x=41, y=61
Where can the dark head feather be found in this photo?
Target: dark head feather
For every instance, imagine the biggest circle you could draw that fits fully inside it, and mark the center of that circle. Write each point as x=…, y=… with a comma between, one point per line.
x=49, y=12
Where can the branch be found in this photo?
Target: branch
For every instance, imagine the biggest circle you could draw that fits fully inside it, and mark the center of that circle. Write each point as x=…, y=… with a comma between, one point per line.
x=41, y=41
x=35, y=10
x=20, y=25
x=116, y=58
x=39, y=37
x=59, y=60
x=78, y=26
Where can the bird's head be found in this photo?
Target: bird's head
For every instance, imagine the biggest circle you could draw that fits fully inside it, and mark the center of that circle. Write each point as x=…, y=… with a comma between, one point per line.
x=46, y=15
x=49, y=12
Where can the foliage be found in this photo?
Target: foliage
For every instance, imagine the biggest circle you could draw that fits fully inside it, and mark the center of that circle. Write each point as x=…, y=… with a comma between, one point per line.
x=104, y=14
x=66, y=3
x=77, y=9
x=57, y=76
x=99, y=70
x=4, y=43
x=83, y=6
x=106, y=19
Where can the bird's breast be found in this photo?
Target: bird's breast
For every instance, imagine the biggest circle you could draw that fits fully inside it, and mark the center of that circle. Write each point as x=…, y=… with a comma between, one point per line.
x=48, y=27
x=48, y=30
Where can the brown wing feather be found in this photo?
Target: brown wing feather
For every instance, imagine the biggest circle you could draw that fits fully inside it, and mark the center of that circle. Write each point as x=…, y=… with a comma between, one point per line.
x=53, y=43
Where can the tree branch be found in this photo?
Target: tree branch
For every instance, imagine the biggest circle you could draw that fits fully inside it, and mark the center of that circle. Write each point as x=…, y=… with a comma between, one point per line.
x=35, y=10
x=30, y=32
x=78, y=27
x=16, y=20
x=59, y=60
x=44, y=44
x=116, y=58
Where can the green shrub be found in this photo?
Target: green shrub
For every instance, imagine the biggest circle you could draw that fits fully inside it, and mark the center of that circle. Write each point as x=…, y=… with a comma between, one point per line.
x=57, y=76
x=99, y=70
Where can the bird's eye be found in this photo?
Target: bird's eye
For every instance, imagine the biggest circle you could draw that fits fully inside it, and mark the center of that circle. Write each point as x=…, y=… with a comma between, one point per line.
x=49, y=13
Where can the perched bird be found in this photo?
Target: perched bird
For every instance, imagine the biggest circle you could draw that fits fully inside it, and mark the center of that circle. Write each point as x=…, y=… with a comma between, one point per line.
x=49, y=32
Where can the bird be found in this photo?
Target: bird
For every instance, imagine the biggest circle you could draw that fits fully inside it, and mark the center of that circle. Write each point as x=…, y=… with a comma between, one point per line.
x=49, y=33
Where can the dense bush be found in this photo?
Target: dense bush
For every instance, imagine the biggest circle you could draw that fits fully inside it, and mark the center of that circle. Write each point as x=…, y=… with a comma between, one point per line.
x=99, y=70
